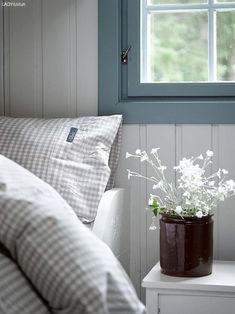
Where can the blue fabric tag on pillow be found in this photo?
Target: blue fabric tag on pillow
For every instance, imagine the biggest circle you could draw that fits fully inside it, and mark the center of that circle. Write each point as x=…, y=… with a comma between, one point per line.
x=71, y=135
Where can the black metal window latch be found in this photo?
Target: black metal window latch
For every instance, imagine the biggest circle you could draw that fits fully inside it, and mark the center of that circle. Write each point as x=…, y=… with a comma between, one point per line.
x=124, y=55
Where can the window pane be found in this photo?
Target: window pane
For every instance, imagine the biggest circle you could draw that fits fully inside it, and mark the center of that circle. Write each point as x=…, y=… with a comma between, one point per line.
x=226, y=46
x=178, y=47
x=175, y=1
x=225, y=1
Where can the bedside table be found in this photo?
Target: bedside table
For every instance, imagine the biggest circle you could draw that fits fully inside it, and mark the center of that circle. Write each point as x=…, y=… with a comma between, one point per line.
x=213, y=294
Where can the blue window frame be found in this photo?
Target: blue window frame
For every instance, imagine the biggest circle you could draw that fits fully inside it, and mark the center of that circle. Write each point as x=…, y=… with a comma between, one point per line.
x=120, y=87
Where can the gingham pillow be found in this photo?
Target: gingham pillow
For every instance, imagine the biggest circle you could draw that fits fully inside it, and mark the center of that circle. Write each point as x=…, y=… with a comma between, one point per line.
x=16, y=293
x=73, y=271
x=72, y=155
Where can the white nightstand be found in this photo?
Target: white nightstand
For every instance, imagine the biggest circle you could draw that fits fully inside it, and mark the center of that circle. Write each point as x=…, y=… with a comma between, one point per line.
x=213, y=294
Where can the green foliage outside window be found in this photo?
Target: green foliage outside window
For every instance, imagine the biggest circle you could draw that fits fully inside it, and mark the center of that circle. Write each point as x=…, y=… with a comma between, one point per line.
x=179, y=46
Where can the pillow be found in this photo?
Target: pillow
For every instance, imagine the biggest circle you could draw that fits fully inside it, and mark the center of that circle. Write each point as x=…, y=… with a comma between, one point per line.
x=16, y=293
x=72, y=155
x=113, y=158
x=72, y=269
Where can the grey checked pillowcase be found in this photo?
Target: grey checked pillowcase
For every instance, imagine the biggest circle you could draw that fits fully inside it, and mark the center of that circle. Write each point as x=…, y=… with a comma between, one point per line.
x=73, y=270
x=17, y=296
x=78, y=157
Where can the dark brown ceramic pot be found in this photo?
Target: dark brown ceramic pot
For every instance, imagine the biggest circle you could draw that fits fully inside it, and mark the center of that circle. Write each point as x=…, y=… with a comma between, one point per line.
x=186, y=245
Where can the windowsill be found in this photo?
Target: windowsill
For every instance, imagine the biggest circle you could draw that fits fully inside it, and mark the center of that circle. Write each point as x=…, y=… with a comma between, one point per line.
x=178, y=111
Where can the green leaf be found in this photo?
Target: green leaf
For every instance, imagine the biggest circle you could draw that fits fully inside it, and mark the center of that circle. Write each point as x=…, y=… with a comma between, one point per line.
x=155, y=211
x=155, y=202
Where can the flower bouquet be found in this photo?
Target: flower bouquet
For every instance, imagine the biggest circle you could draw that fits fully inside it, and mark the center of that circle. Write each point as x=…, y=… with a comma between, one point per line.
x=186, y=209
x=196, y=193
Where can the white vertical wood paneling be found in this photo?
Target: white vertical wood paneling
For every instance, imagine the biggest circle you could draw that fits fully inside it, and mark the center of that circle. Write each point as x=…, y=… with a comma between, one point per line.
x=6, y=52
x=130, y=142
x=51, y=58
x=23, y=59
x=1, y=62
x=87, y=54
x=59, y=58
x=38, y=66
x=194, y=140
x=227, y=208
x=162, y=136
x=215, y=167
x=142, y=211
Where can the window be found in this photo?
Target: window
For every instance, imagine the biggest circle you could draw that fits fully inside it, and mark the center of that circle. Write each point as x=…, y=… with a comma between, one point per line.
x=187, y=41
x=183, y=48
x=181, y=62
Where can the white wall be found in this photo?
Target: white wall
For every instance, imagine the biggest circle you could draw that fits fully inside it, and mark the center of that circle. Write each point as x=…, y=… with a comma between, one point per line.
x=51, y=58
x=51, y=49
x=1, y=60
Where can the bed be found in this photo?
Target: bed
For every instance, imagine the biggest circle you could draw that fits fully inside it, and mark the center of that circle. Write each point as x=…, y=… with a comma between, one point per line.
x=112, y=224
x=63, y=225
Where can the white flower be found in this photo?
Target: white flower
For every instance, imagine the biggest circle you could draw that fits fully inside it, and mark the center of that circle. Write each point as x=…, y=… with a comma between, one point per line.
x=153, y=226
x=128, y=155
x=230, y=185
x=210, y=192
x=199, y=214
x=184, y=163
x=209, y=153
x=178, y=209
x=129, y=174
x=154, y=150
x=144, y=156
x=206, y=209
x=151, y=199
x=224, y=171
x=159, y=185
x=187, y=202
x=193, y=188
x=186, y=194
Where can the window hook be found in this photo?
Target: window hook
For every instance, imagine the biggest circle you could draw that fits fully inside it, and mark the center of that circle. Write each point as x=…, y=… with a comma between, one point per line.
x=124, y=55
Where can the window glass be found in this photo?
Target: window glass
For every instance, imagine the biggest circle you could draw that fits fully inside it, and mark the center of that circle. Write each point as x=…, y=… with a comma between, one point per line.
x=178, y=46
x=225, y=1
x=175, y=1
x=187, y=42
x=226, y=45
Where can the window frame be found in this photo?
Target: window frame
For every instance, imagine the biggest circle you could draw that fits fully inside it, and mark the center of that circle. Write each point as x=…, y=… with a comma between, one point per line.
x=210, y=7
x=116, y=94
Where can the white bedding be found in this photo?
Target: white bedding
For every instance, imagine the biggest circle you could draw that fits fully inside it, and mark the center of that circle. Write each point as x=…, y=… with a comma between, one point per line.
x=112, y=224
x=72, y=270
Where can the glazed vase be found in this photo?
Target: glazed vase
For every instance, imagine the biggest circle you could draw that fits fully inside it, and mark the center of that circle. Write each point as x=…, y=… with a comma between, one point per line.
x=186, y=245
